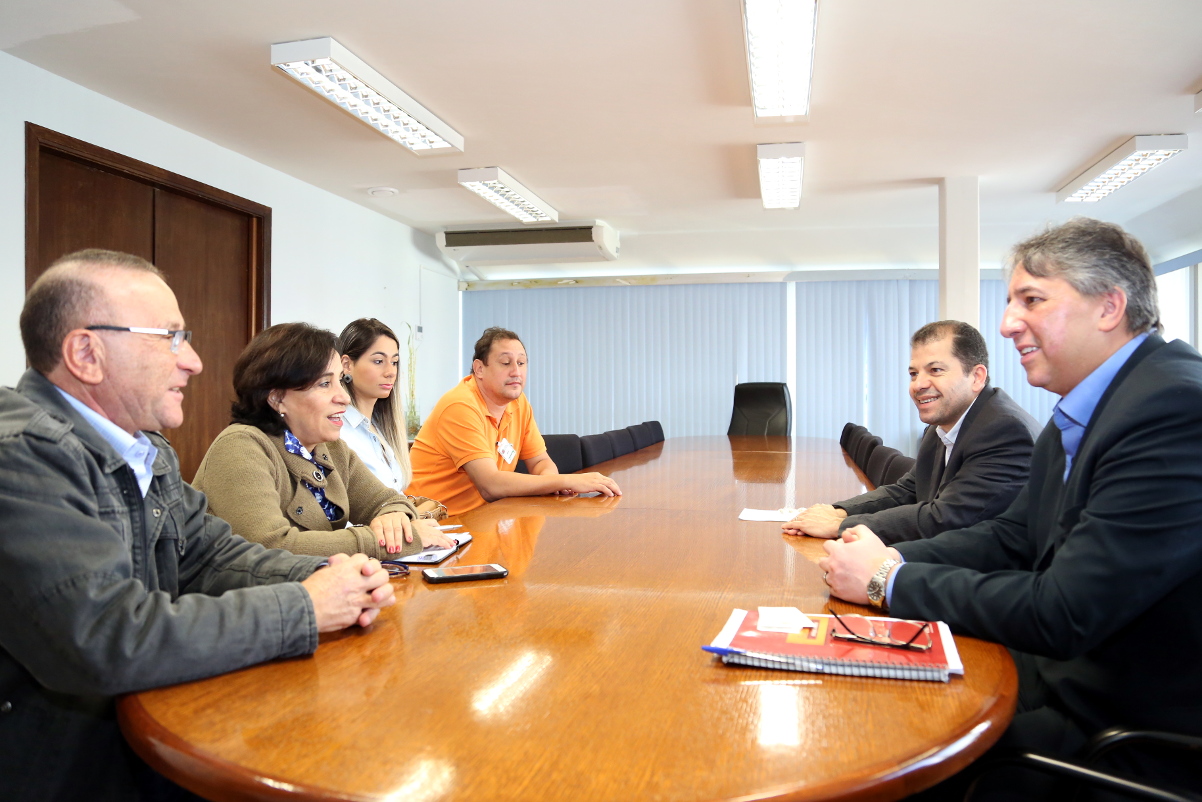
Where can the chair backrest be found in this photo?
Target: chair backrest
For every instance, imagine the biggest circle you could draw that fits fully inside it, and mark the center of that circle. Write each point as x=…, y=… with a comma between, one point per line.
x=596, y=448
x=864, y=450
x=621, y=441
x=849, y=429
x=641, y=435
x=858, y=434
x=878, y=463
x=564, y=451
x=761, y=408
x=898, y=468
x=657, y=431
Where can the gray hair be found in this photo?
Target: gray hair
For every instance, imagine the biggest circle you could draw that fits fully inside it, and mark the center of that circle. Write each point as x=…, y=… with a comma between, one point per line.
x=63, y=299
x=1094, y=258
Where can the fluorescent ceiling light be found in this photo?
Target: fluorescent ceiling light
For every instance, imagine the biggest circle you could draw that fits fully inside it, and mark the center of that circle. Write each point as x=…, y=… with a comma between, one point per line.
x=335, y=73
x=1197, y=102
x=780, y=54
x=780, y=174
x=1121, y=166
x=500, y=189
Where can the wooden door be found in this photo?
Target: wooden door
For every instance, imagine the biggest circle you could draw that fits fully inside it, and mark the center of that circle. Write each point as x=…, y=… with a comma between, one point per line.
x=212, y=247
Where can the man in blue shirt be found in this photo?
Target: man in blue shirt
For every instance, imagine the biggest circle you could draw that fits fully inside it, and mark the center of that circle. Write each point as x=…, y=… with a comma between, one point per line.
x=1093, y=574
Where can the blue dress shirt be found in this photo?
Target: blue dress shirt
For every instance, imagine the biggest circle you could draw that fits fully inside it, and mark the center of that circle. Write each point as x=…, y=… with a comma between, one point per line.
x=138, y=451
x=1072, y=413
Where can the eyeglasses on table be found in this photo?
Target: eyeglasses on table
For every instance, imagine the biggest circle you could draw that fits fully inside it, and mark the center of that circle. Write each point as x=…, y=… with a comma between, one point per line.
x=896, y=633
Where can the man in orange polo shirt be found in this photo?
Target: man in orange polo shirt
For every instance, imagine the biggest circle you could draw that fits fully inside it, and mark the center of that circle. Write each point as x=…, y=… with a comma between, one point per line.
x=467, y=450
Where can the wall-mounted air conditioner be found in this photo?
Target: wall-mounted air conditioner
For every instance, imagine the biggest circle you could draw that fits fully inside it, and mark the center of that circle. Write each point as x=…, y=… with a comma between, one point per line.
x=583, y=242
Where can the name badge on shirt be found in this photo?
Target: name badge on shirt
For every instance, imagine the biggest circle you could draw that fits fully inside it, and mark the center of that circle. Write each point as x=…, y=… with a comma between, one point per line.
x=506, y=450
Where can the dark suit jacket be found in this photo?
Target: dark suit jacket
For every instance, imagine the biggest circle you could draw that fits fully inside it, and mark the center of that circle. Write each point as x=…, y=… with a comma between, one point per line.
x=988, y=467
x=1099, y=577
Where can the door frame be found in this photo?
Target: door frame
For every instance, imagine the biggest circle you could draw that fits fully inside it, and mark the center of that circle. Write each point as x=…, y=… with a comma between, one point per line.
x=39, y=140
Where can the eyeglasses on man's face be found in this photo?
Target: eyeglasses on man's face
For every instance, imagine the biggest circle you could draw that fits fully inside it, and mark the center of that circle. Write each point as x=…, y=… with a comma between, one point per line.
x=178, y=336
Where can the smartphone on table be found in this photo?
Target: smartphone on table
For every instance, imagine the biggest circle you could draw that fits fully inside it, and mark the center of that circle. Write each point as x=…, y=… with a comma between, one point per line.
x=464, y=573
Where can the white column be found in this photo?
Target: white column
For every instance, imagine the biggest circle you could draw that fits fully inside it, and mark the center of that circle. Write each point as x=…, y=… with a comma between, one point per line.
x=791, y=350
x=960, y=250
x=1195, y=307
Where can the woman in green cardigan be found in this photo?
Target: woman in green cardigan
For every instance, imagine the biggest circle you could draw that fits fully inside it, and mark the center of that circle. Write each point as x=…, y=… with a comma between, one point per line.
x=280, y=475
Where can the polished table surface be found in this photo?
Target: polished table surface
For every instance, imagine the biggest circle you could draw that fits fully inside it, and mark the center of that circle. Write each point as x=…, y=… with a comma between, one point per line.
x=581, y=676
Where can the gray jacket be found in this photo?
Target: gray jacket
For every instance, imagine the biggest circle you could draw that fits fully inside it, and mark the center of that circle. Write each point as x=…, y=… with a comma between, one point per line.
x=103, y=592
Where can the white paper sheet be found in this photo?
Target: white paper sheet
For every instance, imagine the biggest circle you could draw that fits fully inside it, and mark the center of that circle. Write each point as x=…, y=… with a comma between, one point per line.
x=788, y=620
x=781, y=515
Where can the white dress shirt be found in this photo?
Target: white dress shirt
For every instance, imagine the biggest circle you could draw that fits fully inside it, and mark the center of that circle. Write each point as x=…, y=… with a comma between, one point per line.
x=371, y=448
x=949, y=437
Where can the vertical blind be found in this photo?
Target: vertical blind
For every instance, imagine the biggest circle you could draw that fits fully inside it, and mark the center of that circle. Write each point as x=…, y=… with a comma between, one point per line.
x=853, y=352
x=607, y=357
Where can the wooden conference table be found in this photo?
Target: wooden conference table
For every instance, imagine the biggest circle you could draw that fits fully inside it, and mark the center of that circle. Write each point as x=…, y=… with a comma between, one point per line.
x=581, y=676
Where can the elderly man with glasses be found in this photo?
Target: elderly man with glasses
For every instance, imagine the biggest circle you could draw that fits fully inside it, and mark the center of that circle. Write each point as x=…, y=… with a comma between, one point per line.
x=112, y=577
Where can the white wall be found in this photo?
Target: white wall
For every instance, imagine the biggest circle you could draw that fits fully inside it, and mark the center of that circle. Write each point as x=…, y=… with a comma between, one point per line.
x=331, y=260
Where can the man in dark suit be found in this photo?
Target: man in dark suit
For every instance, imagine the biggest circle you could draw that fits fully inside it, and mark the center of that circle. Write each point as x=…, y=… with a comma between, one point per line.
x=973, y=458
x=1092, y=576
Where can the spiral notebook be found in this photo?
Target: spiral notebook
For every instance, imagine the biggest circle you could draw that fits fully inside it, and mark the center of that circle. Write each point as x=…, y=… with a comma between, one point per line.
x=817, y=650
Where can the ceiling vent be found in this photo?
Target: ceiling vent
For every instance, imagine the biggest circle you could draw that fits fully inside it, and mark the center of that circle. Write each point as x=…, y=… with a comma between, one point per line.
x=595, y=242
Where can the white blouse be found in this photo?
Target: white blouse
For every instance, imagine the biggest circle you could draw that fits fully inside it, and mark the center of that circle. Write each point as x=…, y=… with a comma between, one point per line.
x=375, y=453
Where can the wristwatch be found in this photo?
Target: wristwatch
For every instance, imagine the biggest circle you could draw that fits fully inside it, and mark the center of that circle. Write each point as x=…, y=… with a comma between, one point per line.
x=876, y=585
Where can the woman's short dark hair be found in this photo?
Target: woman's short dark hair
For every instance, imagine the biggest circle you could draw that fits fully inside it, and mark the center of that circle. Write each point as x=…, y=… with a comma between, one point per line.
x=356, y=338
x=287, y=356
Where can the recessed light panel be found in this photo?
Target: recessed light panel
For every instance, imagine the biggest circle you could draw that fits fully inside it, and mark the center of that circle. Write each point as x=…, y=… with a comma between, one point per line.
x=500, y=189
x=1121, y=166
x=780, y=54
x=780, y=174
x=335, y=73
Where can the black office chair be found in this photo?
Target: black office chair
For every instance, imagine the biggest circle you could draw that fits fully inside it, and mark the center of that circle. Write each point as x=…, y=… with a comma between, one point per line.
x=864, y=450
x=878, y=463
x=761, y=408
x=854, y=436
x=596, y=448
x=564, y=451
x=896, y=469
x=657, y=431
x=845, y=436
x=621, y=441
x=641, y=435
x=1085, y=770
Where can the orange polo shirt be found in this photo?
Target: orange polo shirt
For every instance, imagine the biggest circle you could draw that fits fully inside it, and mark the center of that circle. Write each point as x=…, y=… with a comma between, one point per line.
x=460, y=430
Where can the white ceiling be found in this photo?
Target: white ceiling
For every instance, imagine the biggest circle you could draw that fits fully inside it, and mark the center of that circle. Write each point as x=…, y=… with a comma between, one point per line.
x=637, y=112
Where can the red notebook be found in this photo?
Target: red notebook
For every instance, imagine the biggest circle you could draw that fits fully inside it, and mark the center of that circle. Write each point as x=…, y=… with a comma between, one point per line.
x=818, y=650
